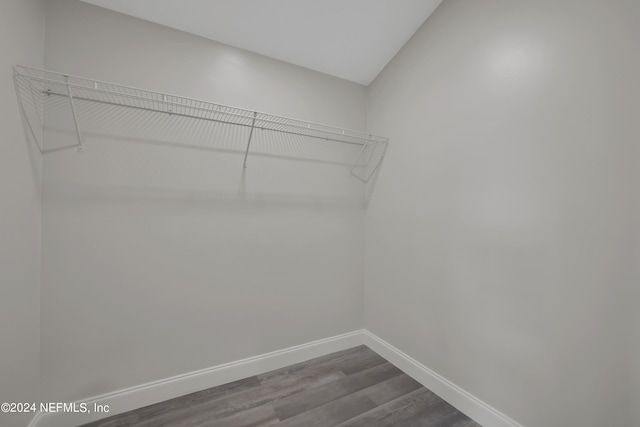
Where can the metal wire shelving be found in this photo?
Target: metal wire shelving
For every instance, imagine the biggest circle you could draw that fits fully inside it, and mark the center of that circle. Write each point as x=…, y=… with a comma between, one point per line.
x=37, y=89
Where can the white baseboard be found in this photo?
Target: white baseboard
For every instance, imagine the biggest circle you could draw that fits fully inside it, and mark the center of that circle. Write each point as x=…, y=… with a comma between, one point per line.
x=154, y=392
x=169, y=388
x=462, y=400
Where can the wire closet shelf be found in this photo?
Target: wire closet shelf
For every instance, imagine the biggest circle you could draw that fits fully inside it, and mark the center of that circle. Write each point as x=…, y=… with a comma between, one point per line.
x=35, y=87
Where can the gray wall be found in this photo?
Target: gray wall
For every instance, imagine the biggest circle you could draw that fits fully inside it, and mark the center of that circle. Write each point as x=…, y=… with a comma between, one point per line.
x=21, y=41
x=499, y=234
x=160, y=260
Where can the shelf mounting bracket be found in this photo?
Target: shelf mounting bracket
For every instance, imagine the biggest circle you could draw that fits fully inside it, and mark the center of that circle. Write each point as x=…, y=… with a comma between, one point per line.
x=355, y=163
x=73, y=113
x=23, y=113
x=246, y=153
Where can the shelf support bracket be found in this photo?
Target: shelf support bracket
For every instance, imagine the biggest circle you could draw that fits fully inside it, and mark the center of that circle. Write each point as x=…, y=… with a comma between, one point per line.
x=73, y=113
x=23, y=113
x=355, y=163
x=246, y=153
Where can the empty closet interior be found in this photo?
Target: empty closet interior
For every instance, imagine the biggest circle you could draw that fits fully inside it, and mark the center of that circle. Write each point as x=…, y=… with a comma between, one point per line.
x=181, y=211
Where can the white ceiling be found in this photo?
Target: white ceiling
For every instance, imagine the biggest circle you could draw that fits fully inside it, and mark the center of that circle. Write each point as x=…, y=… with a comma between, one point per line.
x=351, y=39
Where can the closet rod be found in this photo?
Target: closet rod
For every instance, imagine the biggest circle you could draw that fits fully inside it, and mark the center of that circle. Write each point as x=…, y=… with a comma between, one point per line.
x=269, y=118
x=208, y=119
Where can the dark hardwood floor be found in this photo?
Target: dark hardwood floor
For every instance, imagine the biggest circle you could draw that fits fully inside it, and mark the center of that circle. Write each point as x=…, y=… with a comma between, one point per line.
x=354, y=388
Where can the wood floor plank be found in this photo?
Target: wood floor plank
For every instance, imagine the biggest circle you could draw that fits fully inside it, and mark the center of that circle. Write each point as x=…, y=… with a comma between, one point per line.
x=395, y=411
x=440, y=414
x=461, y=420
x=251, y=398
x=329, y=358
x=349, y=361
x=332, y=413
x=301, y=377
x=318, y=396
x=261, y=416
x=392, y=389
x=368, y=359
x=180, y=403
x=464, y=421
x=454, y=418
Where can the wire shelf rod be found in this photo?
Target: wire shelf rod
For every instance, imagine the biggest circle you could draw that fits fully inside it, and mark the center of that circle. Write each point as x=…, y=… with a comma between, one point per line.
x=262, y=128
x=302, y=123
x=278, y=125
